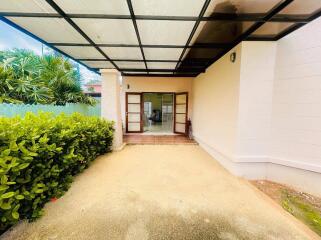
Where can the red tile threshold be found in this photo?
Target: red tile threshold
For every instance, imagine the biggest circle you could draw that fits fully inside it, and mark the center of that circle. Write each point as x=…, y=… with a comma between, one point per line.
x=157, y=139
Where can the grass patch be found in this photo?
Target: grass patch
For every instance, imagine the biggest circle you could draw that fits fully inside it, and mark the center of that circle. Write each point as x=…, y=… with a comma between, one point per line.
x=303, y=206
x=302, y=210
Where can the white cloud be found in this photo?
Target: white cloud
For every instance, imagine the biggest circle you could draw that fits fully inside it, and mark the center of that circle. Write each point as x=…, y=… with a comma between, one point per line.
x=88, y=75
x=3, y=46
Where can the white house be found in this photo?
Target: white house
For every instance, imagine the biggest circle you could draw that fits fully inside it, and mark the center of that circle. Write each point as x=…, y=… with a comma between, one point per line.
x=247, y=74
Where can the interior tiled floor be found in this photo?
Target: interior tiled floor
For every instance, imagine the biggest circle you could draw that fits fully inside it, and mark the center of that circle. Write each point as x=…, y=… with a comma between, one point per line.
x=159, y=128
x=157, y=139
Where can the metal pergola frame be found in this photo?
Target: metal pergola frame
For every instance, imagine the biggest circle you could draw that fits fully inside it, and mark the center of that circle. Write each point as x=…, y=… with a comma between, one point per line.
x=133, y=18
x=201, y=14
x=194, y=66
x=81, y=32
x=275, y=10
x=252, y=17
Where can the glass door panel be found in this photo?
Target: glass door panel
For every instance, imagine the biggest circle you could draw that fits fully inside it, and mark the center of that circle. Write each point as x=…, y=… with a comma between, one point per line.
x=167, y=112
x=181, y=106
x=133, y=112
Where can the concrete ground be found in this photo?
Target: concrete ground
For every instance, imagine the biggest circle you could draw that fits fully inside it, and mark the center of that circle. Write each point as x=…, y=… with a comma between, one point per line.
x=160, y=192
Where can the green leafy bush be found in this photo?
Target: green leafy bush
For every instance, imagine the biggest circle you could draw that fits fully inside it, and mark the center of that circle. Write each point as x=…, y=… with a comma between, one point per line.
x=40, y=155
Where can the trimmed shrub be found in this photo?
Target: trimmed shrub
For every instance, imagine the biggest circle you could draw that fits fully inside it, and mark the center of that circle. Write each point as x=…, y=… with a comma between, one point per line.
x=40, y=155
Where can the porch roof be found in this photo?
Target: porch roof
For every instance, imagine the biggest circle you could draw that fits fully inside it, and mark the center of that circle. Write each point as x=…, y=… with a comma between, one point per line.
x=155, y=38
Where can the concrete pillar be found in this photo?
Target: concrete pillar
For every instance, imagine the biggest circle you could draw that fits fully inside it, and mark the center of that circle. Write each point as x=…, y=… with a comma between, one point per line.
x=110, y=103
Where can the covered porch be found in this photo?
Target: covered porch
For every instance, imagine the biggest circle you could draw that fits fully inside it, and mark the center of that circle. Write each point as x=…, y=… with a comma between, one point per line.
x=232, y=60
x=242, y=78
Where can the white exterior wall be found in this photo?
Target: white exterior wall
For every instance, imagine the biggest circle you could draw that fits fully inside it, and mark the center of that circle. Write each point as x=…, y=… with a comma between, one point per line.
x=215, y=106
x=296, y=116
x=255, y=107
x=277, y=129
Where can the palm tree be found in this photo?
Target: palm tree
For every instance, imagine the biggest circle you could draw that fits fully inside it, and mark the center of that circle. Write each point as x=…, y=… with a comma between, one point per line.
x=6, y=85
x=40, y=79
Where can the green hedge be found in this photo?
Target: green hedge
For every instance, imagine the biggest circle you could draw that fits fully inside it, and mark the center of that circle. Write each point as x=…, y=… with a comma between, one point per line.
x=40, y=154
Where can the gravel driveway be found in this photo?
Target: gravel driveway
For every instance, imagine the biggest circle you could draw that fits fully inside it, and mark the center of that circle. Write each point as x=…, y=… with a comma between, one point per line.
x=160, y=192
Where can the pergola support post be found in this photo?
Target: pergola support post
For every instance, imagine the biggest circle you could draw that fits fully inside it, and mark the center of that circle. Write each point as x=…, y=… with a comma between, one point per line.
x=110, y=103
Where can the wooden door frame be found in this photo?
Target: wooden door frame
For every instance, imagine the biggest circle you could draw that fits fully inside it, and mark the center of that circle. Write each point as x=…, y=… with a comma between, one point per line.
x=141, y=111
x=186, y=110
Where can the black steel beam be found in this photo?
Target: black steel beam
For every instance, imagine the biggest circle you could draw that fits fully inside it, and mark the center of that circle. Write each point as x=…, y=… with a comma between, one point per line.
x=256, y=17
x=125, y=60
x=201, y=14
x=188, y=70
x=34, y=15
x=199, y=45
x=315, y=15
x=133, y=17
x=290, y=18
x=276, y=9
x=251, y=17
x=21, y=29
x=157, y=75
x=261, y=38
x=289, y=30
x=78, y=29
x=296, y=26
x=191, y=60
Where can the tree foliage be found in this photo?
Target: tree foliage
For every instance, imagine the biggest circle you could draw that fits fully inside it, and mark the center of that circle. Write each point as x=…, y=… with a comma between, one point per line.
x=40, y=155
x=28, y=78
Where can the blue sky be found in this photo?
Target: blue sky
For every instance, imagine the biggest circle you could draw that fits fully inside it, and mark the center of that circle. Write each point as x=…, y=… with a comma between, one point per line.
x=12, y=38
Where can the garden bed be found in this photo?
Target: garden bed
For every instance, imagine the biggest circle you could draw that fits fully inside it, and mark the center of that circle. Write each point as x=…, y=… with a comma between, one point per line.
x=303, y=206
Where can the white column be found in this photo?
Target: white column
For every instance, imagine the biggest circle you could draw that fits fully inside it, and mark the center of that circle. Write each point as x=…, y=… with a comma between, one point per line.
x=110, y=103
